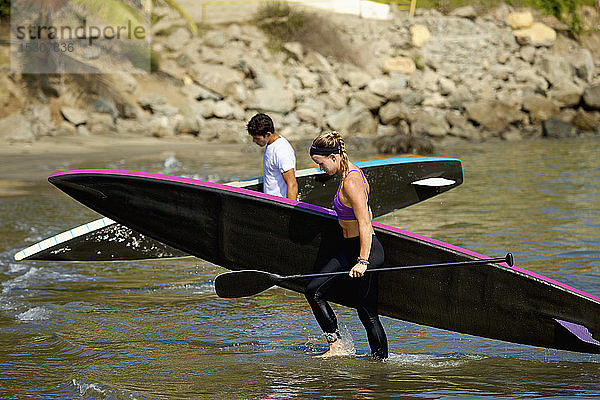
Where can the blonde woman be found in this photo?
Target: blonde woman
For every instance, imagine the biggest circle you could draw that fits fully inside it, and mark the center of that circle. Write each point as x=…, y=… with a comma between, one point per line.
x=360, y=250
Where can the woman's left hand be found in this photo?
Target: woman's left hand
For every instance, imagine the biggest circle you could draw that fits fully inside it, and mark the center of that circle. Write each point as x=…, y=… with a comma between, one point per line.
x=358, y=270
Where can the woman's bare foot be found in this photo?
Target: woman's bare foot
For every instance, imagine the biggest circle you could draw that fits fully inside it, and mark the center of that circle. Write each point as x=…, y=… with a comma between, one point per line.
x=336, y=348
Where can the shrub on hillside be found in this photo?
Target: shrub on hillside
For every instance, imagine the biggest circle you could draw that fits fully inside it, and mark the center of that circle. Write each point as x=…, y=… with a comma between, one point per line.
x=283, y=23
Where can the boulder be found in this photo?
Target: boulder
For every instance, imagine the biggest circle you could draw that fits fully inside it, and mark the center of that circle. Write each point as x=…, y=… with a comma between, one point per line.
x=219, y=79
x=354, y=118
x=540, y=108
x=177, y=40
x=215, y=39
x=566, y=93
x=403, y=65
x=537, y=35
x=586, y=121
x=492, y=115
x=74, y=115
x=464, y=12
x=520, y=20
x=591, y=97
x=583, y=65
x=16, y=128
x=419, y=35
x=555, y=128
x=370, y=100
x=430, y=124
x=295, y=49
x=269, y=100
x=393, y=112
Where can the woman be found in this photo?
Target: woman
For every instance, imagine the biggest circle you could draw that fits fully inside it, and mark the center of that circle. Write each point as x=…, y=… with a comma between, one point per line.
x=360, y=250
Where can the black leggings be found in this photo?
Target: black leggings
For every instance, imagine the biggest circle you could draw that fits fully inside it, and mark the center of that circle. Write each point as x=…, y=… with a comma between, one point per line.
x=360, y=292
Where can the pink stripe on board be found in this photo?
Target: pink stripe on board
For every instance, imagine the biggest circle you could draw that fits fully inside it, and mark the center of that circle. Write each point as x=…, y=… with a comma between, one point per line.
x=483, y=257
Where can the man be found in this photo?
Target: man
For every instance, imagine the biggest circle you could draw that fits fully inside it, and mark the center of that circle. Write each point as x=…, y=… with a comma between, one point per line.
x=279, y=159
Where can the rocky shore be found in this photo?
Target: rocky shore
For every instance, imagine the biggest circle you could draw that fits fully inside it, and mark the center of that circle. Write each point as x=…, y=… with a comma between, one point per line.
x=415, y=84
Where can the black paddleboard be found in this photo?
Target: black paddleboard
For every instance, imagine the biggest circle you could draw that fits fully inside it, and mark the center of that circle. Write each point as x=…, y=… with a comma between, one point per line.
x=241, y=229
x=396, y=182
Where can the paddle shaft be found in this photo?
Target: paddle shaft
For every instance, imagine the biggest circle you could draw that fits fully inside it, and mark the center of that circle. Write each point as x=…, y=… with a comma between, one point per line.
x=508, y=259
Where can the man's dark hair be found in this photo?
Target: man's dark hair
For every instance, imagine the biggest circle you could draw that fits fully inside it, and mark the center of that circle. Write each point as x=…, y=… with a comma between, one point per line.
x=260, y=125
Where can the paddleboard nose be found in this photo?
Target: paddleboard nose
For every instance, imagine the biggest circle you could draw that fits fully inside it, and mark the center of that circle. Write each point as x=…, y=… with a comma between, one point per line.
x=72, y=184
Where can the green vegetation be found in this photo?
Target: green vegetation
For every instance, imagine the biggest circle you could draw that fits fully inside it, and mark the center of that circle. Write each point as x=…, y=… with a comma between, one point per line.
x=283, y=23
x=4, y=10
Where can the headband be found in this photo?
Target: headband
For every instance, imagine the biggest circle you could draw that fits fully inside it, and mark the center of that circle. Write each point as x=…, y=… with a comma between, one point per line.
x=324, y=151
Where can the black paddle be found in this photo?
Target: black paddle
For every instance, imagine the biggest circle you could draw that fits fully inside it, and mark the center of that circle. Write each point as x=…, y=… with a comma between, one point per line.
x=250, y=282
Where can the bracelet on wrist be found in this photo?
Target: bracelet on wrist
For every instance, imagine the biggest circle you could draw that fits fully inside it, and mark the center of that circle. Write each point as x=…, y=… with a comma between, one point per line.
x=362, y=261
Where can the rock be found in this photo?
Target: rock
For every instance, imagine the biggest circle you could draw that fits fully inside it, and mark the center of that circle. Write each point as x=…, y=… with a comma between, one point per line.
x=82, y=130
x=191, y=125
x=263, y=77
x=308, y=79
x=225, y=131
x=527, y=54
x=537, y=35
x=379, y=86
x=566, y=93
x=555, y=128
x=268, y=100
x=224, y=110
x=125, y=82
x=583, y=64
x=354, y=118
x=430, y=124
x=219, y=79
x=555, y=68
x=295, y=49
x=308, y=114
x=435, y=100
x=531, y=76
x=63, y=129
x=419, y=35
x=215, y=39
x=512, y=135
x=409, y=97
x=16, y=128
x=370, y=100
x=520, y=20
x=74, y=115
x=166, y=110
x=316, y=62
x=540, y=108
x=177, y=40
x=197, y=92
x=100, y=123
x=591, y=97
x=461, y=96
x=492, y=115
x=354, y=77
x=403, y=65
x=393, y=112
x=586, y=121
x=464, y=12
x=447, y=86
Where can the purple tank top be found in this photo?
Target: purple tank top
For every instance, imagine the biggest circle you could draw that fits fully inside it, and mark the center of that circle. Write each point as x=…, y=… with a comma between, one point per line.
x=344, y=212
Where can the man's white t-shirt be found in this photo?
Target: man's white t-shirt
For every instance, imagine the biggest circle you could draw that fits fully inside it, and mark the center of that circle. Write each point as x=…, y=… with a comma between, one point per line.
x=279, y=157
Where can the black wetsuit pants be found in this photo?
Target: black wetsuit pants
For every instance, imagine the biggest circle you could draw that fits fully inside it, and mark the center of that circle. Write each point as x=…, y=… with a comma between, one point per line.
x=360, y=292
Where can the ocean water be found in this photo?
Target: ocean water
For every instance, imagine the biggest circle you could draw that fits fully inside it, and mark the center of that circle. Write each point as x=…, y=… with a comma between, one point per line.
x=157, y=330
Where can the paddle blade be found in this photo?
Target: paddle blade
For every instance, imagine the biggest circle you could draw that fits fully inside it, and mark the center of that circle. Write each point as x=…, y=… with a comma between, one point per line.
x=244, y=283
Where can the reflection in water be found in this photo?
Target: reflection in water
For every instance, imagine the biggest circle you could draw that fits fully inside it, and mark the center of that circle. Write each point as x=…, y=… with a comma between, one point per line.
x=156, y=330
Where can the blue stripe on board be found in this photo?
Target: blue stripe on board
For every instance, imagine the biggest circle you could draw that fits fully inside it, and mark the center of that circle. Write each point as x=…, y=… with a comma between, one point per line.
x=397, y=160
